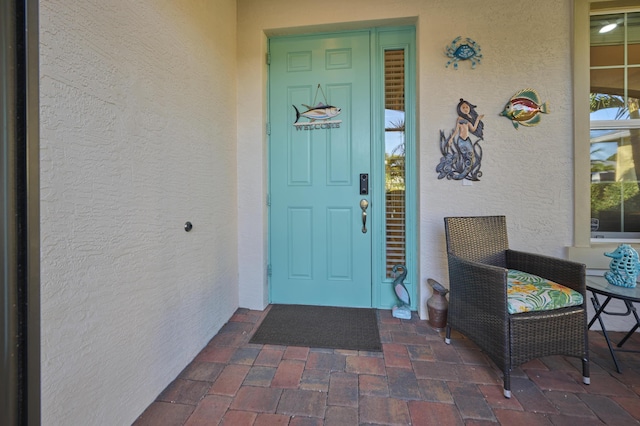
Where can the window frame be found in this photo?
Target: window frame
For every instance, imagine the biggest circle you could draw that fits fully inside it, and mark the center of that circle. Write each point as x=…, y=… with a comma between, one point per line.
x=582, y=124
x=584, y=248
x=622, y=124
x=395, y=38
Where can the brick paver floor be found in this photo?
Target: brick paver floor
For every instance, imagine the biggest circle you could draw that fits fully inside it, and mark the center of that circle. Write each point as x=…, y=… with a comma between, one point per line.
x=416, y=380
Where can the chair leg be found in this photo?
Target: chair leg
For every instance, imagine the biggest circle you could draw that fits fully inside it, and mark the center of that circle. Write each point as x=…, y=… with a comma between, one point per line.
x=586, y=379
x=507, y=384
x=447, y=338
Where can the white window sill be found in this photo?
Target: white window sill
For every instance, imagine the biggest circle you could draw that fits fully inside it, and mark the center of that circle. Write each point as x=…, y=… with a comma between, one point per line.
x=615, y=240
x=593, y=256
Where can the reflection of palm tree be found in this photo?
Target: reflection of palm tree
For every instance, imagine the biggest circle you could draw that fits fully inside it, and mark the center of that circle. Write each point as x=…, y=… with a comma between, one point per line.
x=394, y=165
x=398, y=150
x=634, y=140
x=600, y=101
x=620, y=194
x=598, y=165
x=396, y=126
x=395, y=161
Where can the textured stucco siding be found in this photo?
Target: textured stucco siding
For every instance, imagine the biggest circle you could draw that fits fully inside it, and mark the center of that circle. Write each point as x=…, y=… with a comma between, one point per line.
x=153, y=113
x=138, y=136
x=527, y=173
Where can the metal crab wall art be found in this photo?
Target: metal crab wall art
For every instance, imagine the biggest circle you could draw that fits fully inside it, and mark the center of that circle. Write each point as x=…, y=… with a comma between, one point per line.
x=467, y=50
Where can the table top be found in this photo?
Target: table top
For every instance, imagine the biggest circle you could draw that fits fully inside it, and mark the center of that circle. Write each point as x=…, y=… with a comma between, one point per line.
x=601, y=286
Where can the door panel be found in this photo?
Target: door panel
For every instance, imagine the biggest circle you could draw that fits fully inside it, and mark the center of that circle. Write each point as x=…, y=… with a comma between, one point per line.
x=318, y=252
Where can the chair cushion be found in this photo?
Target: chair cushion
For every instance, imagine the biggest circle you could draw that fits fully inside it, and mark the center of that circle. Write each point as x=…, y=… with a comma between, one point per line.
x=528, y=292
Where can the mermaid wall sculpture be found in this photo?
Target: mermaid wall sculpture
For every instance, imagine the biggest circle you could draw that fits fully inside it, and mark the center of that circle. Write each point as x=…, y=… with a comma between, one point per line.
x=461, y=156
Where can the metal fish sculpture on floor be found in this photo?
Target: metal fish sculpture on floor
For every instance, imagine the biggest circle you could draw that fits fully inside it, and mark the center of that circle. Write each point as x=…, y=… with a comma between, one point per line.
x=319, y=112
x=525, y=108
x=403, y=309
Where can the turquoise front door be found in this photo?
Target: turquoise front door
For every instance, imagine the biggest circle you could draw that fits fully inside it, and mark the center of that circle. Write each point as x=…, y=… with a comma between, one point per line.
x=319, y=152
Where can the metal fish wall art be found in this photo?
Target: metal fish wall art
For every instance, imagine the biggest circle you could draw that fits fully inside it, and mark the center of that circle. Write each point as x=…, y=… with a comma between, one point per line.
x=525, y=108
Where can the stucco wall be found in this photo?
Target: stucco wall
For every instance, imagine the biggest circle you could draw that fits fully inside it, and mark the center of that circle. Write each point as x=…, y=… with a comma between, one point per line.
x=138, y=136
x=527, y=173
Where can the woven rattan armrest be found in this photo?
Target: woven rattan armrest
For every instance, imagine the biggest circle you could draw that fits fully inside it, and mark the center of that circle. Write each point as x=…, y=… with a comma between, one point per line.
x=568, y=273
x=478, y=284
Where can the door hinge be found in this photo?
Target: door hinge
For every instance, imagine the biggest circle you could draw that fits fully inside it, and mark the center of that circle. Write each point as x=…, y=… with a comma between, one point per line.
x=268, y=128
x=268, y=59
x=268, y=270
x=268, y=200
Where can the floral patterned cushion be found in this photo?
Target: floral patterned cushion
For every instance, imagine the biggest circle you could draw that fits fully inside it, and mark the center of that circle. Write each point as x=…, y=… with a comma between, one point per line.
x=527, y=292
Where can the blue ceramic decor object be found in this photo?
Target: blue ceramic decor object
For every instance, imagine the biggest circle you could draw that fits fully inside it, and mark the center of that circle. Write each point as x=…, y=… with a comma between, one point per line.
x=403, y=309
x=624, y=266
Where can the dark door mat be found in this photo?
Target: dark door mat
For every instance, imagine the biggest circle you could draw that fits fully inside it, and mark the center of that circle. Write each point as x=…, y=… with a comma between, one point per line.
x=320, y=327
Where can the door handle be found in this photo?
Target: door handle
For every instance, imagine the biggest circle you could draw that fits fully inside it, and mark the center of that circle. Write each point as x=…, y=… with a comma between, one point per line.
x=363, y=205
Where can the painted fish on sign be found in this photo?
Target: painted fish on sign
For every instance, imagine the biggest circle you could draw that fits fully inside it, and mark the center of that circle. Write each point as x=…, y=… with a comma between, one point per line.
x=319, y=112
x=525, y=108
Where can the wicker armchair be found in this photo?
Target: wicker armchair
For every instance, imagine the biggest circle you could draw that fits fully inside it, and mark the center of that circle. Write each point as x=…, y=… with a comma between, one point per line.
x=479, y=256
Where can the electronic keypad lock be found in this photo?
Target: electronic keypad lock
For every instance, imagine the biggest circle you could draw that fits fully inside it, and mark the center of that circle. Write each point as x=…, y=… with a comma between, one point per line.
x=364, y=183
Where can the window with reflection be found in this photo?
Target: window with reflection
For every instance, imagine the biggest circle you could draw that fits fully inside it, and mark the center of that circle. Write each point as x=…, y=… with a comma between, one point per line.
x=615, y=125
x=394, y=158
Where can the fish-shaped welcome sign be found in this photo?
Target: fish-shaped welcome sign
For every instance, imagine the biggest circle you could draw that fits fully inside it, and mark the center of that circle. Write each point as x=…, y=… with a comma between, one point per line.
x=525, y=108
x=319, y=117
x=319, y=112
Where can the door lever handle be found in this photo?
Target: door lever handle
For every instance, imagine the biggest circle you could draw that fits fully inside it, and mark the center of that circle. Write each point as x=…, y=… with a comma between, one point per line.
x=363, y=205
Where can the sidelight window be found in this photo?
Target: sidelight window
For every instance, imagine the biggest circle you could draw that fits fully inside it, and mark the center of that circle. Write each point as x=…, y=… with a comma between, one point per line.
x=394, y=158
